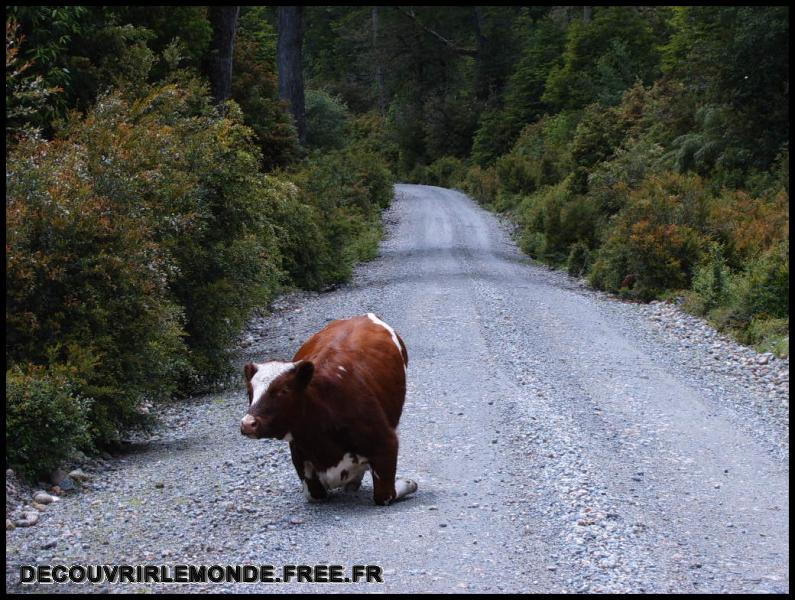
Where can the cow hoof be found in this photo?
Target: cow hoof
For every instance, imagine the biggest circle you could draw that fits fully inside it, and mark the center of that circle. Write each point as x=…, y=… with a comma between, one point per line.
x=404, y=487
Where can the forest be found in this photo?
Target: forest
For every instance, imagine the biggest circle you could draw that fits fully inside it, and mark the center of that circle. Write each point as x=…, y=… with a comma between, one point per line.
x=171, y=169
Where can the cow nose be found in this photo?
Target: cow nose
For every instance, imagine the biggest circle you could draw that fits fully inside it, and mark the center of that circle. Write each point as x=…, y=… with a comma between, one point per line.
x=248, y=426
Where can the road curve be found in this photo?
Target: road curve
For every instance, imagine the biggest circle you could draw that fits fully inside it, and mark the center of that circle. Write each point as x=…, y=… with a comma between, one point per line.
x=558, y=443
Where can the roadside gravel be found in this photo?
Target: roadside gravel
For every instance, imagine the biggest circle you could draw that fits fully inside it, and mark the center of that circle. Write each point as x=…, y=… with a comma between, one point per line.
x=563, y=441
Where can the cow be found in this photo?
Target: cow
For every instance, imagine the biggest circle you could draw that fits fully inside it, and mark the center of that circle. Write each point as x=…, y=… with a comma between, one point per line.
x=338, y=404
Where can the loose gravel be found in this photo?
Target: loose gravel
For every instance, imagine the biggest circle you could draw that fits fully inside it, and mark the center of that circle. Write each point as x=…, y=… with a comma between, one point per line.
x=563, y=441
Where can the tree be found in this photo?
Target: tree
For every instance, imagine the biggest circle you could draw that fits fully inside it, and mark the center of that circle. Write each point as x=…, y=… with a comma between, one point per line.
x=224, y=23
x=290, y=63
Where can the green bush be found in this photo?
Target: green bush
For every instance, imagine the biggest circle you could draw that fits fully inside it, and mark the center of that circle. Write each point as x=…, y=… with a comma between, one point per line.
x=368, y=133
x=348, y=189
x=541, y=156
x=84, y=271
x=579, y=259
x=255, y=89
x=326, y=121
x=494, y=137
x=656, y=241
x=762, y=289
x=481, y=183
x=711, y=280
x=46, y=419
x=768, y=335
x=142, y=235
x=447, y=171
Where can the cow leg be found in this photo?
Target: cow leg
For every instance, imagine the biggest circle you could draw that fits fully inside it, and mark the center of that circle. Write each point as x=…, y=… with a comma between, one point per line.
x=355, y=483
x=386, y=488
x=313, y=489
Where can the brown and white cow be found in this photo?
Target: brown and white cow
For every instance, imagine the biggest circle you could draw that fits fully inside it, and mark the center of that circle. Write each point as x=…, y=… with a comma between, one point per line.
x=338, y=403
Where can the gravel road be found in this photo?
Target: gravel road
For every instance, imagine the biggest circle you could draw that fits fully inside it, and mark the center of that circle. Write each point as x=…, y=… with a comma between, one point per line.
x=563, y=441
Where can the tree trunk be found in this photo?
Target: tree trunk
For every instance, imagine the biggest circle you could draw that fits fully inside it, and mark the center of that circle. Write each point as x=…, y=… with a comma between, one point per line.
x=587, y=13
x=224, y=23
x=482, y=76
x=379, y=75
x=290, y=63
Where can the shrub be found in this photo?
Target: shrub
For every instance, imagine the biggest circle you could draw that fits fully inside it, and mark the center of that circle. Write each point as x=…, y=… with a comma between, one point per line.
x=348, y=189
x=83, y=270
x=579, y=259
x=541, y=156
x=748, y=226
x=768, y=335
x=656, y=241
x=255, y=89
x=141, y=235
x=762, y=289
x=711, y=279
x=46, y=419
x=561, y=219
x=481, y=183
x=495, y=136
x=326, y=121
x=447, y=171
x=368, y=132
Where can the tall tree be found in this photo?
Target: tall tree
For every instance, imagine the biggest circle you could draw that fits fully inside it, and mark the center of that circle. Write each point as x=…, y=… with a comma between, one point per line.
x=379, y=74
x=290, y=63
x=224, y=23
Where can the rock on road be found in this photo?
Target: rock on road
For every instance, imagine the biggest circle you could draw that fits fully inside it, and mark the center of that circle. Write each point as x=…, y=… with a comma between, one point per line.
x=560, y=442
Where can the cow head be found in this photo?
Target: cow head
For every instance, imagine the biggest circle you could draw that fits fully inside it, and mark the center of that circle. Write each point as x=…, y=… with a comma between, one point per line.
x=276, y=394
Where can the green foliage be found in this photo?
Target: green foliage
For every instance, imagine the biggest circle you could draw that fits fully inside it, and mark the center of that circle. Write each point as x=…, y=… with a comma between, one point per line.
x=348, y=188
x=656, y=240
x=85, y=274
x=494, y=136
x=445, y=172
x=579, y=259
x=603, y=58
x=141, y=234
x=46, y=419
x=255, y=89
x=541, y=156
x=26, y=94
x=762, y=289
x=768, y=335
x=737, y=57
x=369, y=133
x=481, y=183
x=326, y=121
x=523, y=96
x=711, y=280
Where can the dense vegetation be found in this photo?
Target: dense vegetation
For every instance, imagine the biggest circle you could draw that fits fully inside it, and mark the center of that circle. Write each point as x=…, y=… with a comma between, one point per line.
x=644, y=148
x=145, y=222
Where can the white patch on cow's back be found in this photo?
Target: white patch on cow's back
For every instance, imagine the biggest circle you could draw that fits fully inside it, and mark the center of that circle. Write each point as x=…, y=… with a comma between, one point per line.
x=354, y=467
x=391, y=331
x=266, y=373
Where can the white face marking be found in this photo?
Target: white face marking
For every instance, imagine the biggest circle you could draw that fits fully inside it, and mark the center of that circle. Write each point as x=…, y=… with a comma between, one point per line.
x=331, y=478
x=266, y=373
x=343, y=369
x=391, y=331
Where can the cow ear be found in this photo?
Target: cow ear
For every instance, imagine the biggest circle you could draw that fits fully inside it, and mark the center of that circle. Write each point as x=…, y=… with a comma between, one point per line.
x=303, y=372
x=249, y=371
